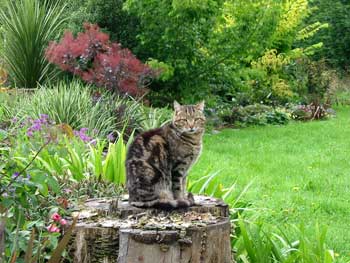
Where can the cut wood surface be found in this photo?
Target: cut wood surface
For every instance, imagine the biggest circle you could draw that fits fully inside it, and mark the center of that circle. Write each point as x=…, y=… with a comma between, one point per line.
x=110, y=230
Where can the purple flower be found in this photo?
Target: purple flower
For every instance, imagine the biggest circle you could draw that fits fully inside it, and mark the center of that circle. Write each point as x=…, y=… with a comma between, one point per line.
x=85, y=138
x=15, y=175
x=28, y=176
x=29, y=133
x=82, y=135
x=44, y=119
x=110, y=137
x=36, y=127
x=14, y=120
x=44, y=116
x=5, y=195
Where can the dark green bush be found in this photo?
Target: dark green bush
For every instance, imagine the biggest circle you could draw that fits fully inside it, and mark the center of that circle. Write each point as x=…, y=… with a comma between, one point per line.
x=277, y=117
x=256, y=114
x=336, y=38
x=109, y=15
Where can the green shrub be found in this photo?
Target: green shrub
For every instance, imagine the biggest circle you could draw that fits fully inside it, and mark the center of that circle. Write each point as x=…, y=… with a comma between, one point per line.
x=311, y=80
x=28, y=26
x=257, y=114
x=319, y=80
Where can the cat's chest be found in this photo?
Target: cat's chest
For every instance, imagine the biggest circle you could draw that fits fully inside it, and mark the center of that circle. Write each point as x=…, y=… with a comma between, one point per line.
x=186, y=153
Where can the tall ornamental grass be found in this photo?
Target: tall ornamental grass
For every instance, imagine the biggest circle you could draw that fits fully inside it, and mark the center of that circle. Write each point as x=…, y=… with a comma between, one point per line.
x=28, y=26
x=79, y=106
x=71, y=103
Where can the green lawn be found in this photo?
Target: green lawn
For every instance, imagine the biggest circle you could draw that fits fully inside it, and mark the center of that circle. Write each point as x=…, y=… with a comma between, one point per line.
x=300, y=172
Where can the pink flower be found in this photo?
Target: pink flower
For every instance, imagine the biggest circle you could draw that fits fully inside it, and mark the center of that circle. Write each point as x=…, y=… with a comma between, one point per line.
x=56, y=217
x=63, y=222
x=53, y=228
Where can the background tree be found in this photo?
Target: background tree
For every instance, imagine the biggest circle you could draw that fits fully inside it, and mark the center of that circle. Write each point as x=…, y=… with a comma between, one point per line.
x=109, y=15
x=336, y=39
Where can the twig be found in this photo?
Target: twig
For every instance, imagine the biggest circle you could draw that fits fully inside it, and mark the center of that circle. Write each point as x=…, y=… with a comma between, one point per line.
x=316, y=113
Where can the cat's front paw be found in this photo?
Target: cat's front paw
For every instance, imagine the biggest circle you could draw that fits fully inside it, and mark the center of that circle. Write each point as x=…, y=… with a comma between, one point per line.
x=185, y=202
x=190, y=198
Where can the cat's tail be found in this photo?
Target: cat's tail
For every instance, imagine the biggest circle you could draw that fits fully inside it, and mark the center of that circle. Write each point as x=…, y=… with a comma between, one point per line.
x=166, y=204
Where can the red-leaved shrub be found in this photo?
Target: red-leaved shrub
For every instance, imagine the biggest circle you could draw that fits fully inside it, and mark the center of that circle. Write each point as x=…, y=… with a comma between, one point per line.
x=93, y=57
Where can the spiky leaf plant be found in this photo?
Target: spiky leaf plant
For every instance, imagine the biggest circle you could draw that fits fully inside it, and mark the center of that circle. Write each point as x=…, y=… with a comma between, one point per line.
x=28, y=26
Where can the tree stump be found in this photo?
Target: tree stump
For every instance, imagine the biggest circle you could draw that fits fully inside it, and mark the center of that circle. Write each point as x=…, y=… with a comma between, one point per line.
x=110, y=230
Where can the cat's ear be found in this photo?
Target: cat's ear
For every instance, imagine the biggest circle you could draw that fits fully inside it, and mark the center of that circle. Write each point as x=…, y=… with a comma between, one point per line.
x=200, y=106
x=177, y=106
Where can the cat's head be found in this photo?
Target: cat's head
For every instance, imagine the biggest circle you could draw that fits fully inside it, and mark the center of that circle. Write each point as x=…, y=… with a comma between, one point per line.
x=189, y=118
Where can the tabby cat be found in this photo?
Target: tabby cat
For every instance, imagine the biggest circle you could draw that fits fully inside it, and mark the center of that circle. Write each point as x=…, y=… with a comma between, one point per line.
x=158, y=160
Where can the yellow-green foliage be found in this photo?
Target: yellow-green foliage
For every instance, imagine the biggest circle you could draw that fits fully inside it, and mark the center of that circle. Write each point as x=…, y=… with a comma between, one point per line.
x=290, y=28
x=226, y=19
x=280, y=88
x=293, y=12
x=191, y=4
x=271, y=63
x=114, y=168
x=310, y=30
x=165, y=71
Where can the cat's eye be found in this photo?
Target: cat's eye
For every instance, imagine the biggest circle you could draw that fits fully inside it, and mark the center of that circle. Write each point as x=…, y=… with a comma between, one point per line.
x=181, y=121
